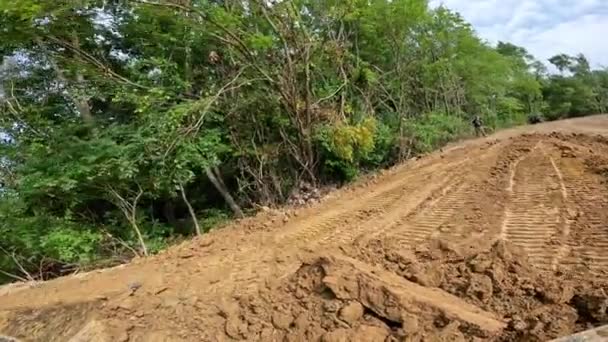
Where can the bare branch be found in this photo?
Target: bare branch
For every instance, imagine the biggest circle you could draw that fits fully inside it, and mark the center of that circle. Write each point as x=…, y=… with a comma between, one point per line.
x=334, y=93
x=16, y=277
x=18, y=264
x=121, y=242
x=129, y=210
x=207, y=106
x=15, y=110
x=100, y=65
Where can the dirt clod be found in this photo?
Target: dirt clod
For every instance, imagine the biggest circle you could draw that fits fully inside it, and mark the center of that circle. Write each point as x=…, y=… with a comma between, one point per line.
x=501, y=280
x=235, y=327
x=282, y=320
x=480, y=286
x=352, y=312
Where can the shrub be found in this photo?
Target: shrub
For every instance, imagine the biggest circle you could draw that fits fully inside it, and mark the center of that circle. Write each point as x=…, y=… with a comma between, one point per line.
x=436, y=129
x=344, y=146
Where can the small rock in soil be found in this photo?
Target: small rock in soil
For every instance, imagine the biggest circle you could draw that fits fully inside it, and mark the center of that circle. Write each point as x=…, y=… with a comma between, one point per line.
x=518, y=324
x=480, y=264
x=301, y=321
x=557, y=293
x=134, y=286
x=409, y=323
x=127, y=304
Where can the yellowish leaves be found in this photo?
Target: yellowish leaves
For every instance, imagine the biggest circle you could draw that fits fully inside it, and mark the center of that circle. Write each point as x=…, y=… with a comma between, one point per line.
x=349, y=140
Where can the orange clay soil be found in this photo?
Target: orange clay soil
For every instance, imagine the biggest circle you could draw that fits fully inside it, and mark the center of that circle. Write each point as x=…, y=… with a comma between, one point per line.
x=503, y=238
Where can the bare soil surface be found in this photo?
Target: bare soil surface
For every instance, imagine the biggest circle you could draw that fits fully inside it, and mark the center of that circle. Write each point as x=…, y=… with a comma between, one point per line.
x=503, y=239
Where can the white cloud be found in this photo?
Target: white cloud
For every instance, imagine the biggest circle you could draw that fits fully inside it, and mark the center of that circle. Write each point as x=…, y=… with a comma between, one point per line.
x=544, y=27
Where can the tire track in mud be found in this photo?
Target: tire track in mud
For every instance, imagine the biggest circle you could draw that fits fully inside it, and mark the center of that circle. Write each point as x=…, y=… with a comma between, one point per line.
x=372, y=214
x=389, y=224
x=533, y=218
x=434, y=216
x=409, y=202
x=587, y=246
x=395, y=197
x=338, y=229
x=431, y=221
x=562, y=250
x=324, y=231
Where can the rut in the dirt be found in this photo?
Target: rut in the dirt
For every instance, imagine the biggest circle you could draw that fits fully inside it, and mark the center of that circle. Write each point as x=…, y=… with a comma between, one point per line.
x=490, y=241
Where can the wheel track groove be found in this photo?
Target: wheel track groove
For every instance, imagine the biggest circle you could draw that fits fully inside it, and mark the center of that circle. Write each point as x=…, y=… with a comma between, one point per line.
x=434, y=217
x=588, y=245
x=341, y=227
x=563, y=248
x=455, y=215
x=429, y=222
x=382, y=201
x=533, y=217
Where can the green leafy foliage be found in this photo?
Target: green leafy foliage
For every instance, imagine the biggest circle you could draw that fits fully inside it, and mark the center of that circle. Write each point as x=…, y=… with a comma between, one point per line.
x=345, y=146
x=48, y=240
x=384, y=145
x=434, y=130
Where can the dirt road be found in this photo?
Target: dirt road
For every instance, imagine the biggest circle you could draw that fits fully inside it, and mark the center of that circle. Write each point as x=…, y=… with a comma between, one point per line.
x=504, y=238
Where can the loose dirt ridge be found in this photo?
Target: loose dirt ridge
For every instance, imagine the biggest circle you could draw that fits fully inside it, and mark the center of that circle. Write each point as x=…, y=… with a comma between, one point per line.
x=504, y=238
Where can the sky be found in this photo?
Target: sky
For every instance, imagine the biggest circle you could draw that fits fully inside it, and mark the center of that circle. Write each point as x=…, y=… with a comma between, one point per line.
x=544, y=27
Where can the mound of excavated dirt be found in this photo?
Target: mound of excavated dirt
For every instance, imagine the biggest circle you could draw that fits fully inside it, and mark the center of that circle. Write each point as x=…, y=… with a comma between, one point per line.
x=438, y=292
x=336, y=298
x=536, y=306
x=373, y=292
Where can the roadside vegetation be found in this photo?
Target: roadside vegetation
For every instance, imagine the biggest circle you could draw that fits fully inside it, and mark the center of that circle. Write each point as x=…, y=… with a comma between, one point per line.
x=129, y=125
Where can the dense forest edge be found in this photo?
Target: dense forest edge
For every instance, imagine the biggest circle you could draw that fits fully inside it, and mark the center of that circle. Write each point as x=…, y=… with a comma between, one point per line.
x=129, y=125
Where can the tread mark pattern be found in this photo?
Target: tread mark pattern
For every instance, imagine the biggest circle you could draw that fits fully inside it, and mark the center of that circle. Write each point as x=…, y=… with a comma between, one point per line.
x=379, y=213
x=434, y=216
x=532, y=219
x=589, y=248
x=433, y=221
x=563, y=249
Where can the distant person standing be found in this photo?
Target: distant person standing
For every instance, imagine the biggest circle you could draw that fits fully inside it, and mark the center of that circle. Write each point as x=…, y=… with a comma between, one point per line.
x=478, y=125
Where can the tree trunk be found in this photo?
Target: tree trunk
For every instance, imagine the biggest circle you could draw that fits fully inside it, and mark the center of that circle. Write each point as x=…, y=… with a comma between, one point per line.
x=82, y=103
x=197, y=228
x=135, y=226
x=84, y=110
x=188, y=52
x=219, y=185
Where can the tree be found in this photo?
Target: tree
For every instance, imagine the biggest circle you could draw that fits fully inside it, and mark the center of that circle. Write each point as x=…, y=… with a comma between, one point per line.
x=562, y=62
x=581, y=92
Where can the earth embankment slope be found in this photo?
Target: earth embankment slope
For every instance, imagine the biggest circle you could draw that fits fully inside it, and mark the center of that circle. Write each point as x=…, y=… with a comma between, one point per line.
x=504, y=238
